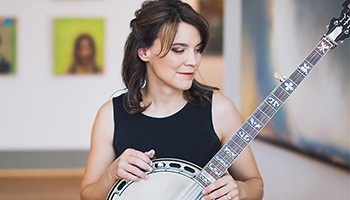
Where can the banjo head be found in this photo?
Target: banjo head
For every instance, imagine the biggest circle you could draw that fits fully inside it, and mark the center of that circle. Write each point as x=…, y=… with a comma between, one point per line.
x=172, y=179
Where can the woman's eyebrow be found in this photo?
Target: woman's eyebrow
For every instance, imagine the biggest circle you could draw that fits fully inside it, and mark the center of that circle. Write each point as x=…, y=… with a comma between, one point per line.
x=180, y=44
x=184, y=44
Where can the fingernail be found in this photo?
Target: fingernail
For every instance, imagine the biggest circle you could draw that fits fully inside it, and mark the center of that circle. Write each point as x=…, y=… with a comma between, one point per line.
x=150, y=154
x=149, y=169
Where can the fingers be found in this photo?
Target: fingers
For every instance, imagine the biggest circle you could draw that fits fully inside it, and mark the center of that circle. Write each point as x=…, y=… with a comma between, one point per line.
x=139, y=159
x=132, y=173
x=222, y=189
x=134, y=165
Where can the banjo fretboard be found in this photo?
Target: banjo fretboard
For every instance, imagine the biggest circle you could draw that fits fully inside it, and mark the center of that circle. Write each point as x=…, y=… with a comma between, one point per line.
x=224, y=158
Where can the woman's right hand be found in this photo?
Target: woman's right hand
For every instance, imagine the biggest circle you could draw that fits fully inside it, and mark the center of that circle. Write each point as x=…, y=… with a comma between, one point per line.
x=132, y=165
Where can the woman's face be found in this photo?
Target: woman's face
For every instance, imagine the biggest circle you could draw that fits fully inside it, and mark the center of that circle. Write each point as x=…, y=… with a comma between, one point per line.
x=178, y=67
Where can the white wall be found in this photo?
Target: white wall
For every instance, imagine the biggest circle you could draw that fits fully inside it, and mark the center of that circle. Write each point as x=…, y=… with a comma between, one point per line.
x=39, y=110
x=42, y=111
x=292, y=176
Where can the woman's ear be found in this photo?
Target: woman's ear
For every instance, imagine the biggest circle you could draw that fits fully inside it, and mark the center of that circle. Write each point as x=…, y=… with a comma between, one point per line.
x=142, y=53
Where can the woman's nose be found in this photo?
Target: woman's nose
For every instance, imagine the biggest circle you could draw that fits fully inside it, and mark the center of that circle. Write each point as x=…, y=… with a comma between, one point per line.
x=193, y=58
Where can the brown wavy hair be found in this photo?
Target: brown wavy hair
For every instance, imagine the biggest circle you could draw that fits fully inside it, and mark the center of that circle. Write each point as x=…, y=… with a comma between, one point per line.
x=159, y=19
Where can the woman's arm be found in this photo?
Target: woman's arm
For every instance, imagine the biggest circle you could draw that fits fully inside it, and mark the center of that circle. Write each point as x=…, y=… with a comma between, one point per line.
x=96, y=181
x=102, y=168
x=247, y=175
x=244, y=181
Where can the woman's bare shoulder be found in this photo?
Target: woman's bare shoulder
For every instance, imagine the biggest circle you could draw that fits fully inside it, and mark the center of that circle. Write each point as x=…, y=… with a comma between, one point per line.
x=223, y=105
x=106, y=108
x=226, y=117
x=104, y=121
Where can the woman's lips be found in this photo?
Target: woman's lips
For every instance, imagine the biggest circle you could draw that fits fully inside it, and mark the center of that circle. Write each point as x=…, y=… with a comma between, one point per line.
x=188, y=74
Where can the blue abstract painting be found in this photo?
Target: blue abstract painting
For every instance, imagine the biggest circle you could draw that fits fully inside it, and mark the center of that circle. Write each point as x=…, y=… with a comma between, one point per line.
x=276, y=37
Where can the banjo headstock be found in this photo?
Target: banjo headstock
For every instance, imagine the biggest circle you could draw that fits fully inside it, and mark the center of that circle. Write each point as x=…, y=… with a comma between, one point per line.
x=339, y=28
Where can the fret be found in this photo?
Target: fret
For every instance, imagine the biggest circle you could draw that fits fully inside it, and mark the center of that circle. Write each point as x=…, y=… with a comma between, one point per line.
x=227, y=158
x=240, y=142
x=323, y=47
x=207, y=179
x=202, y=180
x=236, y=149
x=216, y=168
x=317, y=52
x=218, y=165
x=221, y=160
x=230, y=152
x=311, y=66
x=267, y=109
x=298, y=76
x=313, y=58
x=263, y=118
x=244, y=136
x=305, y=68
x=273, y=102
x=248, y=129
x=255, y=124
x=281, y=94
x=212, y=171
x=289, y=86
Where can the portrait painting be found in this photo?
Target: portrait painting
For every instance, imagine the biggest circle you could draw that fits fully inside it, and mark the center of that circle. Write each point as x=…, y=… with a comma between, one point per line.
x=78, y=46
x=8, y=47
x=276, y=37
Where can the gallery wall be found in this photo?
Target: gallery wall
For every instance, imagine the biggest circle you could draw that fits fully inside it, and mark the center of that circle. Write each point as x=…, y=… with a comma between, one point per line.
x=40, y=110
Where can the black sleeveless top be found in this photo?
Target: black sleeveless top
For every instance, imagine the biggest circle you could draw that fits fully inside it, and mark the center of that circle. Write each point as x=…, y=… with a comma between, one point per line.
x=188, y=134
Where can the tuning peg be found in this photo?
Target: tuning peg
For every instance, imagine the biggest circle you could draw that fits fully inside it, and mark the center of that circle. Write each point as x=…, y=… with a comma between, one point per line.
x=278, y=76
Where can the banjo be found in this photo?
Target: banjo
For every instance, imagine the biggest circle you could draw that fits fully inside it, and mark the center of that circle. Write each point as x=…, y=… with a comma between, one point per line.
x=174, y=179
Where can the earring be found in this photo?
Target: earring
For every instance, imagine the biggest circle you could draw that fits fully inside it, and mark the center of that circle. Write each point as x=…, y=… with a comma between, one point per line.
x=144, y=84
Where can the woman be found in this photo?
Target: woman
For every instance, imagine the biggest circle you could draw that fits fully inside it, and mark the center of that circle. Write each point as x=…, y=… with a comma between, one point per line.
x=84, y=61
x=165, y=111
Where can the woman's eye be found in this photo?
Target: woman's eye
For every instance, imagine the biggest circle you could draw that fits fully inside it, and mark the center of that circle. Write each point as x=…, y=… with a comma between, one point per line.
x=198, y=50
x=177, y=50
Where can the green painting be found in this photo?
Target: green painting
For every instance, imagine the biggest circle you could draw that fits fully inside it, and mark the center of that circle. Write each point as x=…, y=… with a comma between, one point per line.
x=78, y=46
x=8, y=47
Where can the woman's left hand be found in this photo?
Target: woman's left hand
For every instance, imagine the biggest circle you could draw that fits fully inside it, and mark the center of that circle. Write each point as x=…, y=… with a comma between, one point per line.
x=224, y=188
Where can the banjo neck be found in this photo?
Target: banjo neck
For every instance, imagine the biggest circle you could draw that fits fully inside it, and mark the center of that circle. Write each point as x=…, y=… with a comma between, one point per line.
x=230, y=151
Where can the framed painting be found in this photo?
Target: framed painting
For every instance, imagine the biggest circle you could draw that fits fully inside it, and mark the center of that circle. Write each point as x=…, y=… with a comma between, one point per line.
x=78, y=46
x=276, y=37
x=8, y=47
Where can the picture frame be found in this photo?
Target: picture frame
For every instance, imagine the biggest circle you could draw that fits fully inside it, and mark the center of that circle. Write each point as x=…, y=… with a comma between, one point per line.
x=78, y=46
x=8, y=45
